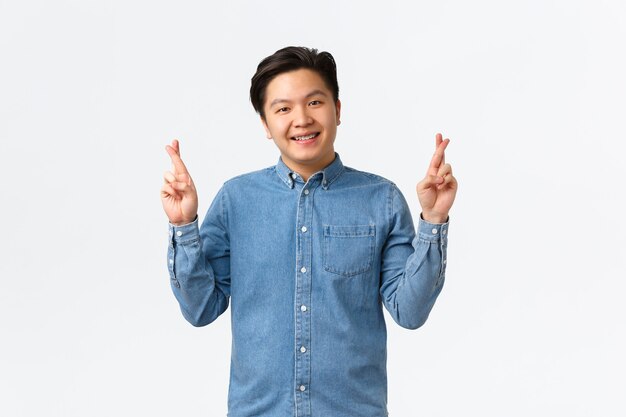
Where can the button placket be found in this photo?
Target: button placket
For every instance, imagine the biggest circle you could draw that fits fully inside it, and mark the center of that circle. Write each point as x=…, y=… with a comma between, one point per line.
x=442, y=249
x=303, y=298
x=171, y=253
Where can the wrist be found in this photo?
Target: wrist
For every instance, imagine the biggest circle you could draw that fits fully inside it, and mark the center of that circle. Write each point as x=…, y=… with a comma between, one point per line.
x=434, y=218
x=184, y=222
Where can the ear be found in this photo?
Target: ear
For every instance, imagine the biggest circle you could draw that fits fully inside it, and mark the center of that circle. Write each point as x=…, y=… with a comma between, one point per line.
x=338, y=111
x=268, y=134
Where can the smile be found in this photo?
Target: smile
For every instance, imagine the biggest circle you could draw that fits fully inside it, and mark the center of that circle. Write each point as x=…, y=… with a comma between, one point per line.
x=306, y=137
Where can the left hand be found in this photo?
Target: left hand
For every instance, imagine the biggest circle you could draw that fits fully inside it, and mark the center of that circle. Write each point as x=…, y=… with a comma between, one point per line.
x=437, y=190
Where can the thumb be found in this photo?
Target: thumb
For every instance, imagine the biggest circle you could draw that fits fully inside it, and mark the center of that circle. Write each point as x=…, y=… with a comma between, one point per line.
x=186, y=178
x=429, y=181
x=186, y=188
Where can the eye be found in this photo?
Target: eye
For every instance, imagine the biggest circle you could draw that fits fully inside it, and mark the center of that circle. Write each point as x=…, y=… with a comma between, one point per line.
x=282, y=110
x=314, y=102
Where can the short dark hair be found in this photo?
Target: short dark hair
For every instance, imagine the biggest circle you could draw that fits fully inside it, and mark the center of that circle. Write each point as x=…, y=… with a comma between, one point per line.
x=288, y=59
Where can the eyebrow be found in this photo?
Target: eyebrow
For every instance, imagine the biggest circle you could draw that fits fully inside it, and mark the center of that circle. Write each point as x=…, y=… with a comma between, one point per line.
x=311, y=94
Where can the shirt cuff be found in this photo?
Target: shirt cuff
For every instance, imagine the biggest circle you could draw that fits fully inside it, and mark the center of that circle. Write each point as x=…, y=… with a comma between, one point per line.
x=433, y=231
x=184, y=233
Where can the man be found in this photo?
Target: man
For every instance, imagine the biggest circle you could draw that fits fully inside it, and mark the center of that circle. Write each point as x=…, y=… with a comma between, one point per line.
x=307, y=251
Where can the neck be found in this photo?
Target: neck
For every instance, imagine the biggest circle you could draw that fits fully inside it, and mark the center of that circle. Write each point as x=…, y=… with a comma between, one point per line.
x=305, y=171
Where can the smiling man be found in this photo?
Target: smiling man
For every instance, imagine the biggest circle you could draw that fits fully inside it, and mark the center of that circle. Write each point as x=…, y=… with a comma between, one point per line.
x=307, y=252
x=301, y=116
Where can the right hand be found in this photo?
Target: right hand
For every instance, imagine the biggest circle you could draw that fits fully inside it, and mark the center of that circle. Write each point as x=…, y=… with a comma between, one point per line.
x=178, y=194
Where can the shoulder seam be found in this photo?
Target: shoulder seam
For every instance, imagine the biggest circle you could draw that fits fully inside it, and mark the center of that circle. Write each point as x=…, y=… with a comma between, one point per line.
x=246, y=174
x=370, y=175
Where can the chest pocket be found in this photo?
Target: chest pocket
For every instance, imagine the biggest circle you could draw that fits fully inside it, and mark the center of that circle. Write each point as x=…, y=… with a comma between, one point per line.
x=349, y=250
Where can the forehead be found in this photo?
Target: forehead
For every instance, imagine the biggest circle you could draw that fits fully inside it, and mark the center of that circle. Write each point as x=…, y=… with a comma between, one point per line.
x=295, y=84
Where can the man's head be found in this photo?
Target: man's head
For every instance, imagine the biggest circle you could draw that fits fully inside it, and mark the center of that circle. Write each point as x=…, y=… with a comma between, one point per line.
x=296, y=94
x=289, y=59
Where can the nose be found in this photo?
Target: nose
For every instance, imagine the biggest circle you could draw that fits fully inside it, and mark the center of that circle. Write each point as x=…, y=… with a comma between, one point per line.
x=302, y=116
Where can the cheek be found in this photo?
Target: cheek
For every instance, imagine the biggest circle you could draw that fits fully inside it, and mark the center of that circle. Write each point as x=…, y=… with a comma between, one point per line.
x=331, y=119
x=331, y=122
x=279, y=127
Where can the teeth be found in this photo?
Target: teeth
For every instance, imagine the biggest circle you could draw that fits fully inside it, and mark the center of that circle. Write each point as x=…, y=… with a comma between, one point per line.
x=305, y=137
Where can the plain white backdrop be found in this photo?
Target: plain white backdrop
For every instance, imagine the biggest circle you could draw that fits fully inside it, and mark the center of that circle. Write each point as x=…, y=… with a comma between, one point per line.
x=531, y=319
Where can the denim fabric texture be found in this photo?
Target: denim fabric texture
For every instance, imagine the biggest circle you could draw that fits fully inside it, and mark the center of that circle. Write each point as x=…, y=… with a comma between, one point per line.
x=306, y=268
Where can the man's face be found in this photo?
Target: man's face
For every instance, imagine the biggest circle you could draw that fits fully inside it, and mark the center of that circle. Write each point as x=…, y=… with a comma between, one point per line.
x=301, y=117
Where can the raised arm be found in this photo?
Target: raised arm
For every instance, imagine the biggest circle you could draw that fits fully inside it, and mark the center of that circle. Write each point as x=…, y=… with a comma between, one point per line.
x=414, y=263
x=198, y=258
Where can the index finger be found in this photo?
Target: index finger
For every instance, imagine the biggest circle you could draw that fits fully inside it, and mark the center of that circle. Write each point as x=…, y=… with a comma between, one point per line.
x=173, y=151
x=439, y=156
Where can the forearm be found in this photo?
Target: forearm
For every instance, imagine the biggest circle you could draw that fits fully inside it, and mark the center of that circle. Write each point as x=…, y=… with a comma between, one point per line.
x=411, y=295
x=192, y=278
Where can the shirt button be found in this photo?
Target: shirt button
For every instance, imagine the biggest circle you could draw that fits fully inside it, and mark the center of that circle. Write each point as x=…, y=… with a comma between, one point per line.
x=171, y=261
x=179, y=233
x=302, y=307
x=302, y=349
x=434, y=231
x=306, y=192
x=302, y=387
x=293, y=175
x=303, y=270
x=304, y=229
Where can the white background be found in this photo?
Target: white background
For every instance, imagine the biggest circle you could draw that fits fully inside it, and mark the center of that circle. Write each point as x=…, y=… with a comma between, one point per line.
x=531, y=319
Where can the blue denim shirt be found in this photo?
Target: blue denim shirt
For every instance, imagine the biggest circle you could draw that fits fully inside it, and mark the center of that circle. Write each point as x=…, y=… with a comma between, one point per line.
x=306, y=267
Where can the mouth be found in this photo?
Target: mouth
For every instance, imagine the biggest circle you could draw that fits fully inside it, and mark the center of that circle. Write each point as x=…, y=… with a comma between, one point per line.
x=306, y=138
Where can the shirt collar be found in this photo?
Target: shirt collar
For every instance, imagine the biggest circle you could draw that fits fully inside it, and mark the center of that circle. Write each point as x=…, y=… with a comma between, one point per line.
x=329, y=174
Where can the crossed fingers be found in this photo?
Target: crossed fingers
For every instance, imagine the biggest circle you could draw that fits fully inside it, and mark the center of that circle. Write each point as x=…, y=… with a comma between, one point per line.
x=178, y=181
x=438, y=167
x=173, y=150
x=439, y=157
